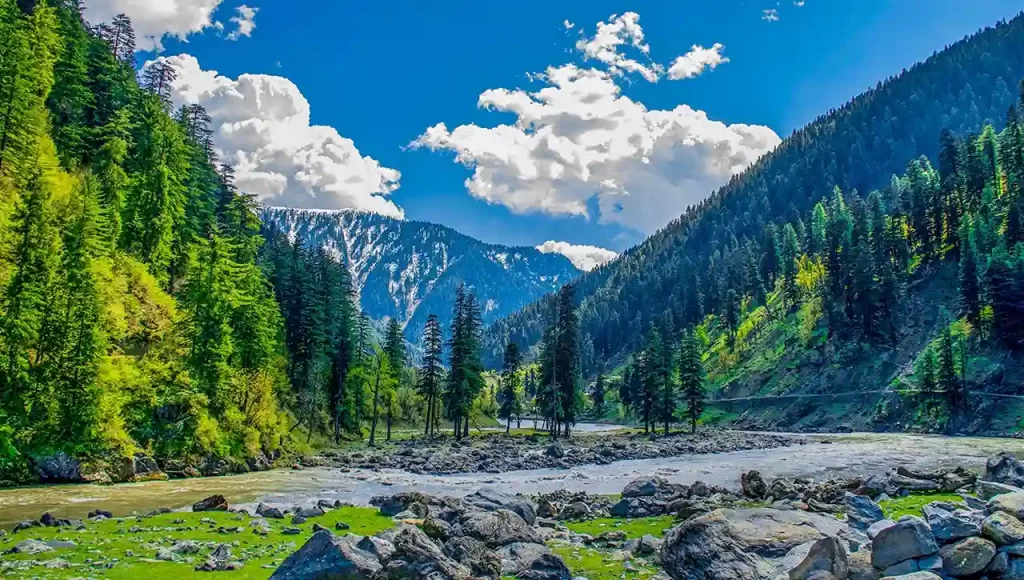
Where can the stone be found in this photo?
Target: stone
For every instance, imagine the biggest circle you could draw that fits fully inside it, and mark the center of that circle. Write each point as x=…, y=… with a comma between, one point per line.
x=949, y=523
x=861, y=510
x=644, y=487
x=342, y=526
x=437, y=528
x=1003, y=529
x=310, y=512
x=912, y=484
x=474, y=555
x=381, y=548
x=269, y=512
x=185, y=547
x=878, y=526
x=1011, y=503
x=648, y=545
x=987, y=490
x=753, y=485
x=915, y=576
x=999, y=565
x=31, y=547
x=214, y=503
x=325, y=556
x=904, y=567
x=909, y=538
x=931, y=563
x=100, y=514
x=966, y=557
x=298, y=520
x=638, y=507
x=519, y=556
x=556, y=451
x=291, y=531
x=546, y=567
x=827, y=555
x=319, y=528
x=490, y=500
x=57, y=468
x=575, y=511
x=165, y=555
x=1004, y=468
x=416, y=556
x=496, y=528
x=740, y=543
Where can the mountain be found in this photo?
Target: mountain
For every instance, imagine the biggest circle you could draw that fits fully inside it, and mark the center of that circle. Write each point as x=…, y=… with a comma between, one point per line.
x=685, y=271
x=409, y=270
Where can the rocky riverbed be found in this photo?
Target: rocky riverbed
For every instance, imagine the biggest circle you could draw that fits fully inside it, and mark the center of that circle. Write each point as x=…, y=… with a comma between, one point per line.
x=496, y=453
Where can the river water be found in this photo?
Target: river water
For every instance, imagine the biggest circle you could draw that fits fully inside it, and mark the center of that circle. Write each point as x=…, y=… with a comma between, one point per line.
x=818, y=457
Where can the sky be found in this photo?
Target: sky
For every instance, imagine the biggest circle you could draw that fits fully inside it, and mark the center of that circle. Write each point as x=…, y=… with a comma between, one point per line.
x=579, y=126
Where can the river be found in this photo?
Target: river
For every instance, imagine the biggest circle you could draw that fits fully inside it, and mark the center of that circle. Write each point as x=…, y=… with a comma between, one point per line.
x=820, y=457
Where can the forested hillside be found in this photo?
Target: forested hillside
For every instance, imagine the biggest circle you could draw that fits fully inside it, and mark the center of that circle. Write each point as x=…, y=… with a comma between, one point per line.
x=407, y=270
x=717, y=253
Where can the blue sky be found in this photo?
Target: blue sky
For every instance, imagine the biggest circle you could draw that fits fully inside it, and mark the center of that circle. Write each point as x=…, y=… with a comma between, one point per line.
x=381, y=73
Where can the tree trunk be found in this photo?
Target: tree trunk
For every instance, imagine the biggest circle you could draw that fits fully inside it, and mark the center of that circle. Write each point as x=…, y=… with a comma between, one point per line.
x=693, y=424
x=376, y=409
x=508, y=425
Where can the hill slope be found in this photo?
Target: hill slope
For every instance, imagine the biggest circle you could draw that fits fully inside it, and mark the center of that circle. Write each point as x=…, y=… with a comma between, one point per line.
x=408, y=270
x=680, y=272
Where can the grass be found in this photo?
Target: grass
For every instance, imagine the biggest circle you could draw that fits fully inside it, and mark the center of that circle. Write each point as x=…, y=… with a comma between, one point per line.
x=634, y=528
x=597, y=565
x=126, y=549
x=912, y=505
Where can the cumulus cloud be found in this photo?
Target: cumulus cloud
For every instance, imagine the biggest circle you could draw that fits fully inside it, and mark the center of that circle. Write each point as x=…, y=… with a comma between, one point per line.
x=262, y=127
x=579, y=143
x=154, y=19
x=585, y=258
x=605, y=44
x=568, y=25
x=696, y=61
x=245, y=21
x=771, y=15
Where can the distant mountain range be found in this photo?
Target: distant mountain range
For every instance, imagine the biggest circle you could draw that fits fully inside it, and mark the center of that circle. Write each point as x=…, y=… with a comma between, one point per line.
x=408, y=270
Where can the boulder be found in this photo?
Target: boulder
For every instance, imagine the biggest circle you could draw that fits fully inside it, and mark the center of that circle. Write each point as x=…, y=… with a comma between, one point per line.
x=57, y=468
x=966, y=557
x=1003, y=529
x=913, y=485
x=861, y=510
x=474, y=555
x=909, y=538
x=214, y=503
x=949, y=523
x=1004, y=468
x=1011, y=503
x=638, y=507
x=753, y=485
x=490, y=500
x=380, y=548
x=877, y=527
x=269, y=512
x=555, y=451
x=519, y=556
x=328, y=557
x=575, y=511
x=827, y=558
x=31, y=547
x=546, y=567
x=496, y=529
x=741, y=543
x=645, y=487
x=987, y=490
x=437, y=528
x=392, y=505
x=310, y=512
x=914, y=576
x=416, y=556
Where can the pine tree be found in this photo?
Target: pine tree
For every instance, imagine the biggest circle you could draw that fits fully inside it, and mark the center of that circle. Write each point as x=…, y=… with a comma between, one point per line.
x=790, y=253
x=691, y=378
x=510, y=377
x=970, y=291
x=928, y=381
x=567, y=358
x=431, y=372
x=598, y=394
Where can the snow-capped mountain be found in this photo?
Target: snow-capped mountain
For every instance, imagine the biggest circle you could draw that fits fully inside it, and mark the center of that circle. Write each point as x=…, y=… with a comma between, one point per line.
x=409, y=270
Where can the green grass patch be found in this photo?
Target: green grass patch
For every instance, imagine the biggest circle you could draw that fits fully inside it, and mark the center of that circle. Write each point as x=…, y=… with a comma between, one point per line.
x=634, y=528
x=597, y=565
x=126, y=549
x=912, y=505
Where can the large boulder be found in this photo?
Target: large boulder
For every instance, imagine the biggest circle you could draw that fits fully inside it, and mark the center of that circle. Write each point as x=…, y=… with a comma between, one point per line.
x=519, y=556
x=496, y=529
x=638, y=507
x=1011, y=503
x=490, y=500
x=966, y=557
x=416, y=556
x=57, y=468
x=914, y=576
x=909, y=538
x=474, y=555
x=1005, y=468
x=214, y=503
x=826, y=557
x=861, y=510
x=647, y=487
x=1003, y=529
x=949, y=523
x=547, y=567
x=328, y=557
x=742, y=543
x=987, y=490
x=753, y=485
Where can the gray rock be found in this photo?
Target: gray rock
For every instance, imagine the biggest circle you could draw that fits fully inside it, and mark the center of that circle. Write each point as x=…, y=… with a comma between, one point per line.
x=915, y=576
x=1005, y=468
x=904, y=567
x=185, y=547
x=416, y=556
x=987, y=490
x=913, y=484
x=645, y=486
x=861, y=510
x=638, y=507
x=575, y=511
x=328, y=557
x=753, y=485
x=310, y=512
x=1011, y=503
x=826, y=556
x=648, y=545
x=214, y=503
x=31, y=547
x=57, y=468
x=298, y=520
x=878, y=526
x=495, y=529
x=269, y=512
x=519, y=556
x=1003, y=529
x=474, y=555
x=949, y=523
x=909, y=538
x=165, y=555
x=967, y=557
x=437, y=528
x=999, y=565
x=547, y=567
x=382, y=549
x=728, y=543
x=931, y=563
x=490, y=500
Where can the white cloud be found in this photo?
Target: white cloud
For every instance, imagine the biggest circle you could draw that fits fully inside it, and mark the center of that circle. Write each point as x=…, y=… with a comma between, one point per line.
x=799, y=3
x=154, y=19
x=771, y=15
x=580, y=140
x=262, y=127
x=245, y=21
x=694, y=62
x=618, y=31
x=585, y=258
x=568, y=25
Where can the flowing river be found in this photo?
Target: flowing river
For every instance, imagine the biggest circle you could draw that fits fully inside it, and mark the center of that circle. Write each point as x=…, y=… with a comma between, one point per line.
x=820, y=457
